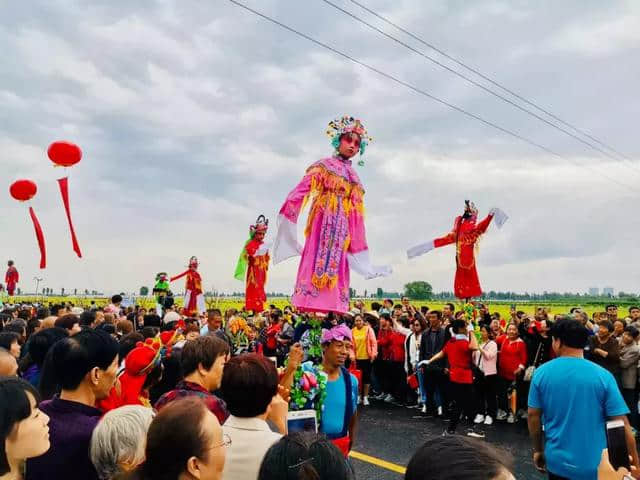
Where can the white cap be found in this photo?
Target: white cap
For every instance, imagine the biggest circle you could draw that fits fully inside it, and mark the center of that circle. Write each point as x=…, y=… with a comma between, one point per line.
x=171, y=317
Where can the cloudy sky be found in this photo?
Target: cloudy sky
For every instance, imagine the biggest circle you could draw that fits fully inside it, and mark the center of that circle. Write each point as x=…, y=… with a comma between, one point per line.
x=195, y=117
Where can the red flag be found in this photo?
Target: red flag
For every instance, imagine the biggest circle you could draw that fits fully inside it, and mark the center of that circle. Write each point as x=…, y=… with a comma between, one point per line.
x=40, y=237
x=64, y=190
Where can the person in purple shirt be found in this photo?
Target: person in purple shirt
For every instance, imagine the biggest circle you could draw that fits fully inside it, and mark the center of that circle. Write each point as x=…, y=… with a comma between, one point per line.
x=83, y=370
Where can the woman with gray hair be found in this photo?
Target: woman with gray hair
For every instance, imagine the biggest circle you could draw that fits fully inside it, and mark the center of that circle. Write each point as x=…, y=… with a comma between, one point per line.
x=118, y=442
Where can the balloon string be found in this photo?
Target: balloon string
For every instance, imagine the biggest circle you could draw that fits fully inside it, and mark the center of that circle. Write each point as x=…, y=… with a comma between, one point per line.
x=40, y=237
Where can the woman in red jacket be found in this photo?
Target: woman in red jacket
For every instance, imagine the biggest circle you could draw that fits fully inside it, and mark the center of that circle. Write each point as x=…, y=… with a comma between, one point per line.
x=391, y=353
x=512, y=361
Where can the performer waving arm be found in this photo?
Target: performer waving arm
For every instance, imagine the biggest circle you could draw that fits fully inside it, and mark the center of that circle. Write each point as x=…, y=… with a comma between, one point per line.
x=177, y=277
x=286, y=243
x=423, y=248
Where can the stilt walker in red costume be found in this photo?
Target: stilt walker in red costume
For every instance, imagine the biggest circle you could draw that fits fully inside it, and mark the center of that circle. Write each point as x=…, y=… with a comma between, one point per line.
x=253, y=265
x=11, y=278
x=465, y=235
x=193, y=297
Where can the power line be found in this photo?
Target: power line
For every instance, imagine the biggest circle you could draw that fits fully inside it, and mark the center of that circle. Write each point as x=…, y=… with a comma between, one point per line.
x=477, y=84
x=420, y=91
x=489, y=79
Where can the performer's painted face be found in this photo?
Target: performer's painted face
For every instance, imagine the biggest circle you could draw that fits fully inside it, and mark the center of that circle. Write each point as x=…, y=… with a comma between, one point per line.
x=259, y=236
x=349, y=145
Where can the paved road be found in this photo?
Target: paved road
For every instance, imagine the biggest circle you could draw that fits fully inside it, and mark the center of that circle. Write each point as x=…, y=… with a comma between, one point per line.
x=393, y=433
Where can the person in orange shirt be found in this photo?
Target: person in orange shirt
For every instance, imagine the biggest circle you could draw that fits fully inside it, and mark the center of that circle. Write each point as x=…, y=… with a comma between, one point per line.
x=366, y=351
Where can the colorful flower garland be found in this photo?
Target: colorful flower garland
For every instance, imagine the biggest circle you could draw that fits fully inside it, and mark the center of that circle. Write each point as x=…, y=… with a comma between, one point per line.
x=309, y=388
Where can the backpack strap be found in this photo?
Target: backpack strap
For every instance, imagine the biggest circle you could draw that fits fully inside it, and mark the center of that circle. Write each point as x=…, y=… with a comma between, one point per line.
x=348, y=407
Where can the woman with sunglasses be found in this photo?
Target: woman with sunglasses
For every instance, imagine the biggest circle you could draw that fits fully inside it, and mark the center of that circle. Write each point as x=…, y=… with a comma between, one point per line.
x=412, y=356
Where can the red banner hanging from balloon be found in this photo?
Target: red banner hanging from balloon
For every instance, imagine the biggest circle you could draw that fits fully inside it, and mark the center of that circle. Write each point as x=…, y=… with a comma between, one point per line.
x=64, y=191
x=23, y=191
x=40, y=237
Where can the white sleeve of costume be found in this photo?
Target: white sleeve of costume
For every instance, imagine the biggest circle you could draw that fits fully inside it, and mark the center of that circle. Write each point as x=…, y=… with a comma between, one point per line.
x=499, y=217
x=264, y=249
x=286, y=244
x=420, y=249
x=361, y=264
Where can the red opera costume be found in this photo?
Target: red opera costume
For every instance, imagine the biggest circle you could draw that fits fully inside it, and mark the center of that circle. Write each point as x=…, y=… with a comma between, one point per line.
x=193, y=298
x=254, y=262
x=11, y=278
x=465, y=235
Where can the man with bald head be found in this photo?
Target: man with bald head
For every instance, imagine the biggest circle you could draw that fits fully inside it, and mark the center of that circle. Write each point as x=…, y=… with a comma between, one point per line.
x=8, y=364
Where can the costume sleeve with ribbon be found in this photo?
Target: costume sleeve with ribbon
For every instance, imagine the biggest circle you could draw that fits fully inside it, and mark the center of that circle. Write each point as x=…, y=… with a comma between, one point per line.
x=286, y=243
x=465, y=235
x=495, y=213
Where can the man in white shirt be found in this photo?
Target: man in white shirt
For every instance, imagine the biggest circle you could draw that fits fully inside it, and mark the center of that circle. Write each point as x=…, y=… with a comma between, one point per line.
x=250, y=388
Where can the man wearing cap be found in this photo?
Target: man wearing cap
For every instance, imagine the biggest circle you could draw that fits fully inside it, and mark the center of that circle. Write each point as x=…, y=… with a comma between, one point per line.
x=339, y=417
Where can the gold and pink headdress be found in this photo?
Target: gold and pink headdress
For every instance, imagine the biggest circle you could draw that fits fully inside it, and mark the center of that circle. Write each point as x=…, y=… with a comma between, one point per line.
x=348, y=124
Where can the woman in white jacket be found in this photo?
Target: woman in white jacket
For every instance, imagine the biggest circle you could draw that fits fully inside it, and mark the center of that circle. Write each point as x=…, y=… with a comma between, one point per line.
x=486, y=387
x=412, y=355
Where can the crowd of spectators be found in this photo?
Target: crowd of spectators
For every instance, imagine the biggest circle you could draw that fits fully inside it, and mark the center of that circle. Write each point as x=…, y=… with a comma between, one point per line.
x=126, y=393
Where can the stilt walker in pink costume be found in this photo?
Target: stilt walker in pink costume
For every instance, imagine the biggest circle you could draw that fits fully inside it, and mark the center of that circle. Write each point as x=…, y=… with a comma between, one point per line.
x=335, y=233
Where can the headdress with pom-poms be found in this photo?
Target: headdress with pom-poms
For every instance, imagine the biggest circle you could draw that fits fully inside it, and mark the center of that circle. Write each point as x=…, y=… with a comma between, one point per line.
x=470, y=209
x=261, y=225
x=348, y=124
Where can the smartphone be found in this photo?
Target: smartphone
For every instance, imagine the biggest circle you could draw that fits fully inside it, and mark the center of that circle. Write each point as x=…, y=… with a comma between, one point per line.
x=513, y=307
x=617, y=444
x=302, y=421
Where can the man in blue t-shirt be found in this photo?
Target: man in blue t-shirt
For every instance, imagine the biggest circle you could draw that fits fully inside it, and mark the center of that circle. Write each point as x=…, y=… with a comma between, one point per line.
x=338, y=420
x=573, y=398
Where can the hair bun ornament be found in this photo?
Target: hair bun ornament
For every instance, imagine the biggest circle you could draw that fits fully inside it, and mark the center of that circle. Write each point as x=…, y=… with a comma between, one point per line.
x=348, y=124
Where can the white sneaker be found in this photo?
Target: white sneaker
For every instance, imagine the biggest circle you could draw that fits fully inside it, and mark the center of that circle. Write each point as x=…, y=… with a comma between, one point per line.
x=365, y=401
x=424, y=408
x=511, y=418
x=502, y=415
x=475, y=433
x=388, y=398
x=488, y=420
x=524, y=415
x=479, y=419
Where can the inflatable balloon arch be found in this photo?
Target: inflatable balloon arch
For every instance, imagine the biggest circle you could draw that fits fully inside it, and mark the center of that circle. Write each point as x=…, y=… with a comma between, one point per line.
x=62, y=154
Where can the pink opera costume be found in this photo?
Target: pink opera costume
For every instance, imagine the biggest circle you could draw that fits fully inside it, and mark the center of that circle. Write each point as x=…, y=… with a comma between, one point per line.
x=335, y=232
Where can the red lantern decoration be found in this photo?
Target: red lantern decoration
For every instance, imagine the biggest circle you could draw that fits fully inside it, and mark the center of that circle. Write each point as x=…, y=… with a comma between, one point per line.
x=23, y=190
x=66, y=154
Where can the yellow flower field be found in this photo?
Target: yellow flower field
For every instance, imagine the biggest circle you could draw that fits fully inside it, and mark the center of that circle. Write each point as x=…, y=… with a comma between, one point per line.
x=224, y=303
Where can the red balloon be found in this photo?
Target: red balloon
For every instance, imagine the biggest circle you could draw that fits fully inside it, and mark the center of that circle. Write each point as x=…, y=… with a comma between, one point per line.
x=23, y=190
x=64, y=154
